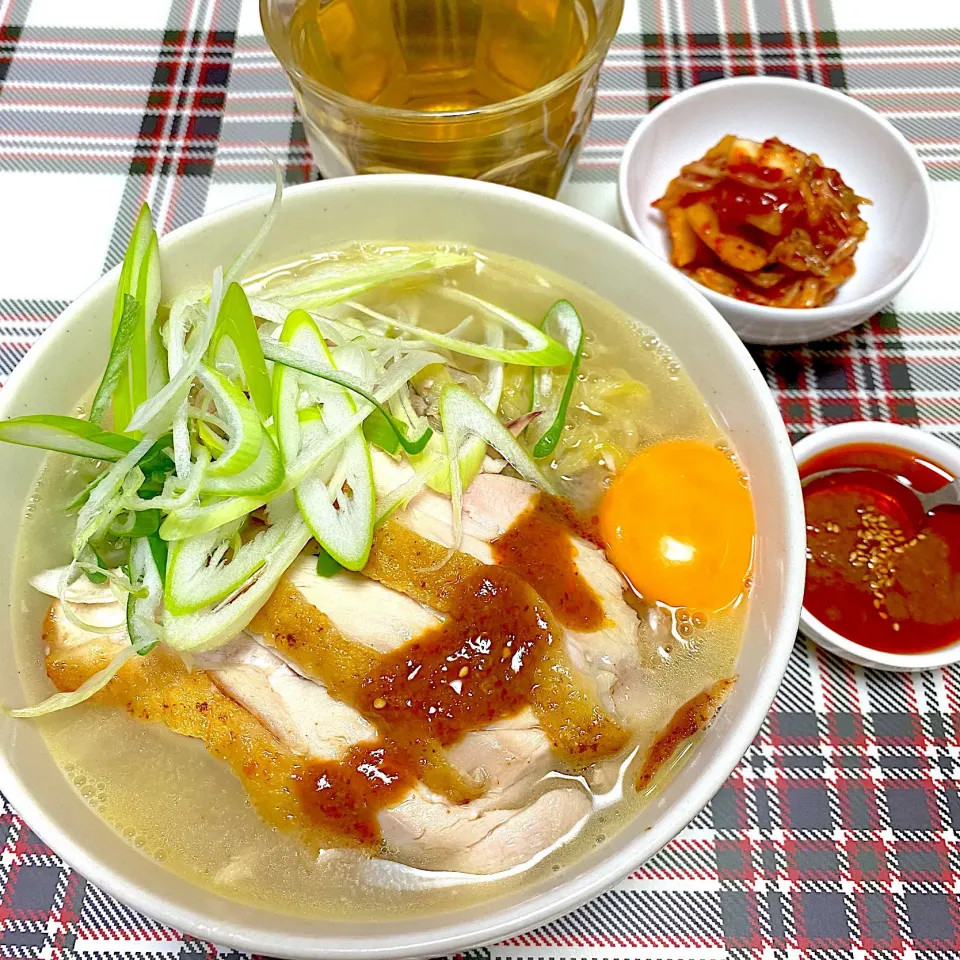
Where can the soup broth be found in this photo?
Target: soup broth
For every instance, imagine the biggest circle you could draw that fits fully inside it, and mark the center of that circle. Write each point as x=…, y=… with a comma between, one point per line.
x=170, y=798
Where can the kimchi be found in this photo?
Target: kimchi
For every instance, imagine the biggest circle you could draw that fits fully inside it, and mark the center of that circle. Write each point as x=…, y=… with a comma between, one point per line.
x=764, y=222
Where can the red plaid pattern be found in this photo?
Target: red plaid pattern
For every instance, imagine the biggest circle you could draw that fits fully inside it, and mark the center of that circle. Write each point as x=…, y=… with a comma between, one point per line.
x=837, y=834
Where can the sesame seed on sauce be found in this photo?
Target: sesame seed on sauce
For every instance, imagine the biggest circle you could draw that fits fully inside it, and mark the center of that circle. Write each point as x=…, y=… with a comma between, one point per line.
x=878, y=571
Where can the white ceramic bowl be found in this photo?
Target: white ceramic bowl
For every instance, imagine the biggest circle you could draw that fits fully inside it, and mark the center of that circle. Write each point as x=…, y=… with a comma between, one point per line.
x=59, y=369
x=872, y=157
x=909, y=438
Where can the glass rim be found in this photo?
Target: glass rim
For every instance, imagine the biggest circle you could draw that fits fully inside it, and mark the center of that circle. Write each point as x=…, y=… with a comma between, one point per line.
x=607, y=24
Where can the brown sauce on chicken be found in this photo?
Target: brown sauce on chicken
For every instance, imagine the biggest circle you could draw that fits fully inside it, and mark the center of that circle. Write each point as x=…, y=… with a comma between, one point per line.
x=348, y=794
x=538, y=548
x=690, y=719
x=499, y=649
x=305, y=636
x=476, y=667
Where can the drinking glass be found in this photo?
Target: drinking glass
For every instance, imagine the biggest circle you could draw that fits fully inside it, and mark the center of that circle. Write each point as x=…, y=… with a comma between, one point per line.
x=498, y=90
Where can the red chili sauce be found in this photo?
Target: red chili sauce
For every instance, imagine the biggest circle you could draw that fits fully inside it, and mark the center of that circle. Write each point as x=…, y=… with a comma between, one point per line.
x=879, y=571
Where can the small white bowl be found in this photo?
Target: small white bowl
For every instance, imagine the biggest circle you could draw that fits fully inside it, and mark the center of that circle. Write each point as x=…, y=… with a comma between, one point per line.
x=871, y=156
x=909, y=438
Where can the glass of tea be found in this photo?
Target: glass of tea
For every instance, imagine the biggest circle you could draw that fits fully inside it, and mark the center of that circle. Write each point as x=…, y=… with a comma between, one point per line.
x=499, y=90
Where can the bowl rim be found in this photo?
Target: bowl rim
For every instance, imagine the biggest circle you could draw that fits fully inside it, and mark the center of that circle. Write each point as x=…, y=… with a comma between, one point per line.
x=852, y=310
x=898, y=435
x=623, y=859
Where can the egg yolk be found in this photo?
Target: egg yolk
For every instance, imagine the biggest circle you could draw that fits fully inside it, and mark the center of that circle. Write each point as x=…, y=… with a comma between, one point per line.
x=678, y=523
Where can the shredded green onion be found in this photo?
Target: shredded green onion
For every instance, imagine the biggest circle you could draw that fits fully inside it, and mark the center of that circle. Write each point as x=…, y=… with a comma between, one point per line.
x=217, y=623
x=129, y=285
x=235, y=324
x=61, y=701
x=540, y=350
x=463, y=416
x=326, y=565
x=381, y=431
x=147, y=354
x=341, y=523
x=208, y=516
x=434, y=463
x=143, y=611
x=563, y=322
x=118, y=363
x=242, y=425
x=327, y=287
x=218, y=418
x=279, y=353
x=80, y=438
x=161, y=406
x=253, y=247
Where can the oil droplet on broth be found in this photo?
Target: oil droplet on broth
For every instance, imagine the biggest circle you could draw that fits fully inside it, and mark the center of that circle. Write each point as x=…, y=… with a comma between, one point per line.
x=172, y=822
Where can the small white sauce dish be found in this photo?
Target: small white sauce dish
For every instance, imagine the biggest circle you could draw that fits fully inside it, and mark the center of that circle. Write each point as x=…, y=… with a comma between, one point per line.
x=871, y=156
x=907, y=438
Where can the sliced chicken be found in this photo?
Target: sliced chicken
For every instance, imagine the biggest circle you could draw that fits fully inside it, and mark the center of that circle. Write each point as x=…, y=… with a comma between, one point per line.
x=361, y=609
x=430, y=514
x=491, y=505
x=510, y=824
x=510, y=756
x=296, y=710
x=424, y=830
x=159, y=688
x=487, y=835
x=283, y=684
x=100, y=615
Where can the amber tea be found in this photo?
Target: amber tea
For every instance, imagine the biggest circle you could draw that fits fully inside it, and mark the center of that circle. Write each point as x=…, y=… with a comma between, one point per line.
x=433, y=85
x=437, y=56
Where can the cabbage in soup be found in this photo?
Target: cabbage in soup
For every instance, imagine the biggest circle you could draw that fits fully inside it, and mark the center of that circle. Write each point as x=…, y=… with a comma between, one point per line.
x=488, y=685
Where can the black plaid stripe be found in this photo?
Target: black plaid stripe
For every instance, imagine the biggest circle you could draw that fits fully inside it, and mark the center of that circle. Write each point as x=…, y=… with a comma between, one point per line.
x=786, y=881
x=863, y=374
x=853, y=779
x=913, y=78
x=21, y=322
x=259, y=114
x=35, y=892
x=192, y=142
x=299, y=166
x=646, y=70
x=910, y=76
x=819, y=796
x=185, y=104
x=180, y=128
x=10, y=31
x=100, y=917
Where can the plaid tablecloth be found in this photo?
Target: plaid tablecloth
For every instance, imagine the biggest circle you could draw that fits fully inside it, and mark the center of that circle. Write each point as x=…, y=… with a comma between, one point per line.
x=837, y=836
